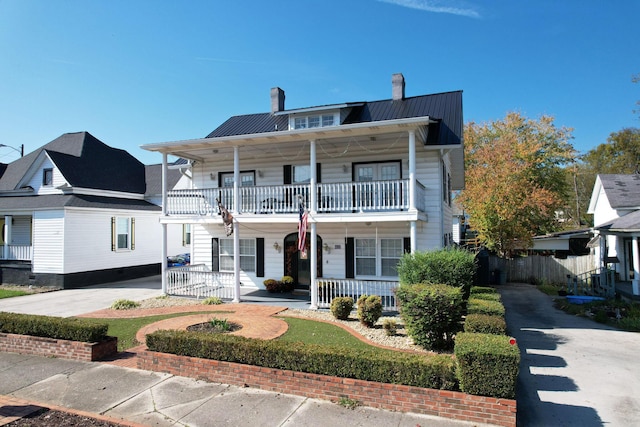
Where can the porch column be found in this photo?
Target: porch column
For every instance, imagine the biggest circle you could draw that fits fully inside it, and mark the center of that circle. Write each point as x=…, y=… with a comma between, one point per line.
x=635, y=283
x=314, y=265
x=7, y=234
x=236, y=227
x=412, y=171
x=314, y=232
x=163, y=261
x=413, y=236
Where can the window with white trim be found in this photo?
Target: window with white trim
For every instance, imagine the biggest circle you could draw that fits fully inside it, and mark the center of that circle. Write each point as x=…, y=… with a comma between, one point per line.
x=247, y=255
x=371, y=262
x=47, y=176
x=365, y=257
x=390, y=253
x=122, y=233
x=314, y=121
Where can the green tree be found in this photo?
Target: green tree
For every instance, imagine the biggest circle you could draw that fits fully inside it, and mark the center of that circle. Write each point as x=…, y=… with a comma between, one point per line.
x=515, y=179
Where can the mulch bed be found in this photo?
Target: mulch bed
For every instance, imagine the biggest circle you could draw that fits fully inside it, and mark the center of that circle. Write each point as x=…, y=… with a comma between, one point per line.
x=52, y=418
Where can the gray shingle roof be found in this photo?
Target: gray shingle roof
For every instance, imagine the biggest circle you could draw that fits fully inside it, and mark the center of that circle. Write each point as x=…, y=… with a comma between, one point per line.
x=626, y=223
x=445, y=107
x=153, y=175
x=623, y=191
x=58, y=201
x=84, y=161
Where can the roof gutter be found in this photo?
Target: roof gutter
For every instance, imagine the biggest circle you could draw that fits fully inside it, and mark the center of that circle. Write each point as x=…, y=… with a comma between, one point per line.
x=319, y=133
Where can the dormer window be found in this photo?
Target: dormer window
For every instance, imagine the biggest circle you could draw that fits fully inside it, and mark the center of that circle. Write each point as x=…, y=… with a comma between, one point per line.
x=47, y=177
x=314, y=121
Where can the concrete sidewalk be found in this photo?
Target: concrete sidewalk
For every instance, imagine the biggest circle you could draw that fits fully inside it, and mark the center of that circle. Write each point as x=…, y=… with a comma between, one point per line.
x=154, y=399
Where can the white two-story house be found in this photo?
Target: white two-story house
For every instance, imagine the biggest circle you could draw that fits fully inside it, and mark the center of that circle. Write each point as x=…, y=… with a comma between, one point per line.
x=77, y=212
x=375, y=179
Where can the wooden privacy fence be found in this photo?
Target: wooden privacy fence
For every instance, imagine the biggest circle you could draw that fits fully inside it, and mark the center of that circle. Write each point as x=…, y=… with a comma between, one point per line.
x=546, y=268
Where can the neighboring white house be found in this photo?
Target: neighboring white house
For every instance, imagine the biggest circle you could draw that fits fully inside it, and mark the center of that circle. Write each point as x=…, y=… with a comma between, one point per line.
x=375, y=178
x=615, y=205
x=73, y=213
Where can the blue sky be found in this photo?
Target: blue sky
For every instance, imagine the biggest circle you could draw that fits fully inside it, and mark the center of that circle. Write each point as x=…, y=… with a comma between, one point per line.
x=134, y=72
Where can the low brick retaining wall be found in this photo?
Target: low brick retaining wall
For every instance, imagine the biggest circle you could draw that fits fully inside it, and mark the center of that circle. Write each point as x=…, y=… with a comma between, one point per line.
x=50, y=347
x=441, y=403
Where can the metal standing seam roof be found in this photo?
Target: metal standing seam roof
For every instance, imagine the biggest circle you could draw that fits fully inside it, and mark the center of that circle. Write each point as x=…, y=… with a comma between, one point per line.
x=445, y=107
x=623, y=191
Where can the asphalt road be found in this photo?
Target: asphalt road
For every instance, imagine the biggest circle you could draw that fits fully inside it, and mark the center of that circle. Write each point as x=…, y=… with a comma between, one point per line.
x=573, y=371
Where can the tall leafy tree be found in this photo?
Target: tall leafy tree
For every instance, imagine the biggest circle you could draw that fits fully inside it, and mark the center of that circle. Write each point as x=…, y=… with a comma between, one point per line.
x=515, y=179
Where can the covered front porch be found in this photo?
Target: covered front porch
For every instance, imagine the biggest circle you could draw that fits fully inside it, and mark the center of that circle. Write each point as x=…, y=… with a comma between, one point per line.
x=199, y=282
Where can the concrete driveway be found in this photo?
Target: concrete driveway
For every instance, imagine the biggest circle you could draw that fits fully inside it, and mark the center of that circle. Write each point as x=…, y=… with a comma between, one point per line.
x=73, y=302
x=574, y=371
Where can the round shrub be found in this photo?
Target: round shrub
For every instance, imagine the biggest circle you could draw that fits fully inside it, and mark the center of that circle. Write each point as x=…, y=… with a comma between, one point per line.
x=432, y=313
x=124, y=304
x=369, y=309
x=212, y=301
x=341, y=307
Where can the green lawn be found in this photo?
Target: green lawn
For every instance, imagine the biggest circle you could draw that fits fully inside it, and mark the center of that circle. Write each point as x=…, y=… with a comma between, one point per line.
x=300, y=330
x=5, y=293
x=126, y=329
x=312, y=332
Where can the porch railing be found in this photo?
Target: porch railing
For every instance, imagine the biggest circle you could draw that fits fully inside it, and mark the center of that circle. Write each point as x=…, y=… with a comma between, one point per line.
x=16, y=252
x=372, y=196
x=600, y=282
x=200, y=282
x=328, y=289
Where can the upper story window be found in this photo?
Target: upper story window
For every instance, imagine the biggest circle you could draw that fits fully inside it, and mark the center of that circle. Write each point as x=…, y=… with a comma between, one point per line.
x=314, y=121
x=47, y=176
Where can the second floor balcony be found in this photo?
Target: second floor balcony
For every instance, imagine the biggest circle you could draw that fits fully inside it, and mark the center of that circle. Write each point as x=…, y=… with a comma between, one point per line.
x=339, y=197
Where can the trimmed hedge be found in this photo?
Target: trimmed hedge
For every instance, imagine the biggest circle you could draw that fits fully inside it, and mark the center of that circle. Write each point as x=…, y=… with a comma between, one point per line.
x=72, y=329
x=487, y=297
x=483, y=306
x=437, y=372
x=485, y=324
x=487, y=365
x=451, y=266
x=483, y=290
x=369, y=309
x=432, y=313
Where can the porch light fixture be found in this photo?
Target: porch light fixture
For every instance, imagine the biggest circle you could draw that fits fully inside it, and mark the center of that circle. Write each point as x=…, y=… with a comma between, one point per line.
x=277, y=246
x=212, y=175
x=344, y=168
x=260, y=173
x=326, y=248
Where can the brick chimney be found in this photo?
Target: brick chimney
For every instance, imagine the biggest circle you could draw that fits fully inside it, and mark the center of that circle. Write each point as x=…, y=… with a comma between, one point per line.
x=277, y=99
x=397, y=82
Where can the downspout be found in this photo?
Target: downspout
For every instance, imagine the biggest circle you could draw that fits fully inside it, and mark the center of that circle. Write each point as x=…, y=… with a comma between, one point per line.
x=635, y=283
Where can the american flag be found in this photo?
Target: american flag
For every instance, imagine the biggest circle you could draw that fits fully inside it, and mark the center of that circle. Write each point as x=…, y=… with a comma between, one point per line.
x=302, y=228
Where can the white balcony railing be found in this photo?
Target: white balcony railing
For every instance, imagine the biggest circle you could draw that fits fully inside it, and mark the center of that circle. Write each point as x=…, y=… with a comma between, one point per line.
x=200, y=282
x=16, y=252
x=328, y=289
x=372, y=196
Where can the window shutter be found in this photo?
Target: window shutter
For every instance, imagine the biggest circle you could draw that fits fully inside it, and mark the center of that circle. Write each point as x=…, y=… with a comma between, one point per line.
x=133, y=234
x=318, y=173
x=260, y=257
x=407, y=245
x=287, y=174
x=113, y=233
x=349, y=257
x=184, y=235
x=215, y=255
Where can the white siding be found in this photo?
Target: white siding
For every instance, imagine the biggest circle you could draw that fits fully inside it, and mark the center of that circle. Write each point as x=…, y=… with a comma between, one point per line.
x=36, y=179
x=48, y=242
x=88, y=240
